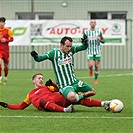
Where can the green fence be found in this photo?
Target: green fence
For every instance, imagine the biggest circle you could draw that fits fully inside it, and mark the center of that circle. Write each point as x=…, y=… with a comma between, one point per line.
x=113, y=57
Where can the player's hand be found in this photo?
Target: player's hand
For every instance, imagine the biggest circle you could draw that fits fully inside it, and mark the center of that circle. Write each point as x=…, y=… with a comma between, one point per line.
x=3, y=104
x=99, y=38
x=48, y=83
x=34, y=54
x=3, y=40
x=84, y=40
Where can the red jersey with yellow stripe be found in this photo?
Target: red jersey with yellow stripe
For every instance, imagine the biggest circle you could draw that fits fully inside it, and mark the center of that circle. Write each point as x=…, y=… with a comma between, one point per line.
x=44, y=92
x=7, y=34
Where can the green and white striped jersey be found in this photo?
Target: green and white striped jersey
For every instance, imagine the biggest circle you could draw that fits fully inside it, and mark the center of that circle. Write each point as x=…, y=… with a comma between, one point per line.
x=63, y=64
x=94, y=47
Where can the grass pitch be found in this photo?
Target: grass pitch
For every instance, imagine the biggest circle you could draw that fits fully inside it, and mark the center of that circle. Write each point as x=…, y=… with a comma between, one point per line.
x=112, y=84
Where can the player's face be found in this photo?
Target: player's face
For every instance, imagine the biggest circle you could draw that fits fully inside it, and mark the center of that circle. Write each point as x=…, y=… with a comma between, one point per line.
x=66, y=47
x=38, y=81
x=2, y=24
x=93, y=23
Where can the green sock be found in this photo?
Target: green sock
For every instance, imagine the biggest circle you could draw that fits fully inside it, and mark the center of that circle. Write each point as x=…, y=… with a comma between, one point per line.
x=79, y=97
x=96, y=74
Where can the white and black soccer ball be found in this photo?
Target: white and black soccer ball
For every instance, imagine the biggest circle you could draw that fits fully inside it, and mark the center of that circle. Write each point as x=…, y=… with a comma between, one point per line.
x=116, y=106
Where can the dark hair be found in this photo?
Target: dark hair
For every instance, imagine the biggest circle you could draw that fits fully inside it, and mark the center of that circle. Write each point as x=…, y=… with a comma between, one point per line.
x=2, y=19
x=34, y=76
x=64, y=39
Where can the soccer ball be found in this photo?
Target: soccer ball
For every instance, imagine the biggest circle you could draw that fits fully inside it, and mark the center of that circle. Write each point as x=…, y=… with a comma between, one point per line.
x=116, y=106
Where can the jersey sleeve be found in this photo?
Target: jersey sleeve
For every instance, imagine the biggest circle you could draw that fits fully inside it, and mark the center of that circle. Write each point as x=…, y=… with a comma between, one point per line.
x=102, y=39
x=85, y=33
x=10, y=33
x=27, y=100
x=49, y=55
x=76, y=49
x=21, y=106
x=10, y=39
x=53, y=88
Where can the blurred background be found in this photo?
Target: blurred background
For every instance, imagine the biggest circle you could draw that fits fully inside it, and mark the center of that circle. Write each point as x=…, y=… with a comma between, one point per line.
x=38, y=12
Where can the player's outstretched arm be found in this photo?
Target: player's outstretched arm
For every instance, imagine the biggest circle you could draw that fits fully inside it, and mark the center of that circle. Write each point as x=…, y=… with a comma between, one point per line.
x=82, y=47
x=21, y=106
x=84, y=40
x=102, y=40
x=38, y=58
x=34, y=54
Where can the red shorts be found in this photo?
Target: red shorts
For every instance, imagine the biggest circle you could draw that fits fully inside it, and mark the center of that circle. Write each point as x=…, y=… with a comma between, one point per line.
x=56, y=98
x=5, y=57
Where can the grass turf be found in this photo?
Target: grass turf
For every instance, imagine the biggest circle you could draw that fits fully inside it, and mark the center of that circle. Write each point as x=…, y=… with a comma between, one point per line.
x=112, y=84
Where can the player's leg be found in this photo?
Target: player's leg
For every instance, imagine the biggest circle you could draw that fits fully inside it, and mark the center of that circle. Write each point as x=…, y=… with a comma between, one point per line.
x=91, y=102
x=6, y=69
x=0, y=70
x=96, y=73
x=90, y=64
x=5, y=73
x=51, y=106
x=61, y=100
x=70, y=94
x=85, y=89
x=94, y=103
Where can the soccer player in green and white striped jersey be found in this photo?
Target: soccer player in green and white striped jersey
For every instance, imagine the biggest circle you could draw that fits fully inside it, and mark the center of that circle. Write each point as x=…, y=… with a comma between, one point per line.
x=63, y=64
x=94, y=49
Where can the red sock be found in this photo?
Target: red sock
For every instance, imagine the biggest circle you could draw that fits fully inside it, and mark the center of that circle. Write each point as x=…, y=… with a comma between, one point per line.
x=53, y=107
x=0, y=70
x=6, y=71
x=90, y=102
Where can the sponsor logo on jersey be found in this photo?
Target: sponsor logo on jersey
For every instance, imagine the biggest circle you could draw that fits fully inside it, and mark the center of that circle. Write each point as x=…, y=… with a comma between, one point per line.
x=38, y=91
x=65, y=61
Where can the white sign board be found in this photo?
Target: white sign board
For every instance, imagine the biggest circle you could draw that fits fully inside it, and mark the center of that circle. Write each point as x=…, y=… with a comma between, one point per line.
x=43, y=32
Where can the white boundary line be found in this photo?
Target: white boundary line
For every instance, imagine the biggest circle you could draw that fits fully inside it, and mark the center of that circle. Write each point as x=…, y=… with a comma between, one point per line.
x=111, y=75
x=67, y=117
x=103, y=76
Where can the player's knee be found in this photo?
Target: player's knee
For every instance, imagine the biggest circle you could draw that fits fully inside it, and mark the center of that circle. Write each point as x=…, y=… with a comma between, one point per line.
x=91, y=66
x=94, y=91
x=72, y=97
x=43, y=103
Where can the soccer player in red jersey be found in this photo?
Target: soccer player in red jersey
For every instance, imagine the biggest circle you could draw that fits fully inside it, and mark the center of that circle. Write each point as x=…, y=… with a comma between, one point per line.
x=48, y=98
x=5, y=37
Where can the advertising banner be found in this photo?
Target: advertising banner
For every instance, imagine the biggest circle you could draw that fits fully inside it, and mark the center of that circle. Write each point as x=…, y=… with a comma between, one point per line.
x=21, y=32
x=49, y=32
